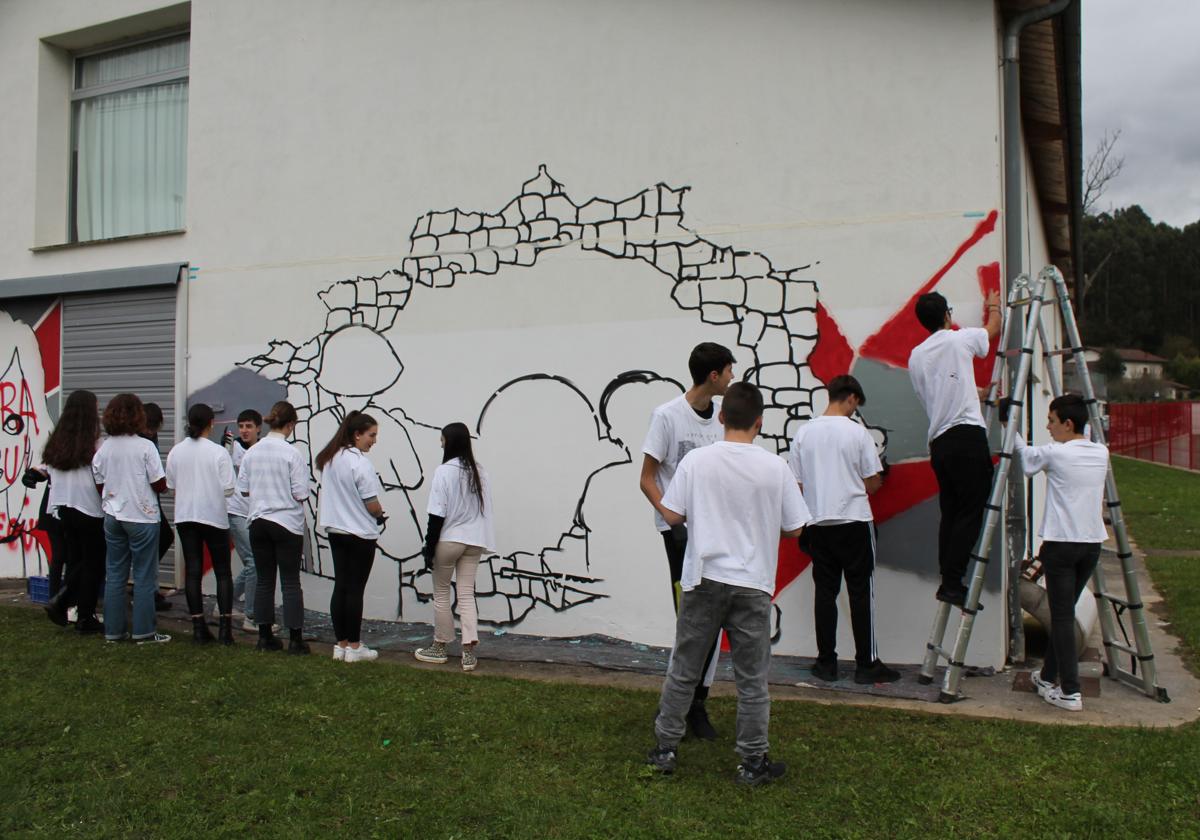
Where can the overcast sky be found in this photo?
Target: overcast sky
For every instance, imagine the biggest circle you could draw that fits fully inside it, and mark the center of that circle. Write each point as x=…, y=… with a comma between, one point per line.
x=1141, y=74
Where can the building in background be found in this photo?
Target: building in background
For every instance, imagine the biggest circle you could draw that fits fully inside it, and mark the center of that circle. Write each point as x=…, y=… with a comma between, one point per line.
x=522, y=216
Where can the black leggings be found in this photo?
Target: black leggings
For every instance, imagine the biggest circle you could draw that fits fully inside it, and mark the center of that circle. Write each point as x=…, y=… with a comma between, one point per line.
x=962, y=463
x=193, y=537
x=277, y=550
x=85, y=549
x=352, y=560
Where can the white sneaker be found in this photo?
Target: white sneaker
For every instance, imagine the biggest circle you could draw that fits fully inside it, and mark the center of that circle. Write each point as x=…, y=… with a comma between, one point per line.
x=1071, y=702
x=156, y=639
x=1040, y=684
x=362, y=653
x=339, y=653
x=72, y=615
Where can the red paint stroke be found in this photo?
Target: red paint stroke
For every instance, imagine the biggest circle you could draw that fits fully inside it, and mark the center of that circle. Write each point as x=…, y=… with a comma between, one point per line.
x=906, y=486
x=832, y=355
x=902, y=332
x=989, y=281
x=48, y=333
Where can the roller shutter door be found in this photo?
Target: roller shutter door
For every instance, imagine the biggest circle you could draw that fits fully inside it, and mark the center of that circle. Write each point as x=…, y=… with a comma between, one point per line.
x=125, y=341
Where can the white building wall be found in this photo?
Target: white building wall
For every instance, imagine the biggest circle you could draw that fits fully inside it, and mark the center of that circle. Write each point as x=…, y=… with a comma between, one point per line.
x=859, y=141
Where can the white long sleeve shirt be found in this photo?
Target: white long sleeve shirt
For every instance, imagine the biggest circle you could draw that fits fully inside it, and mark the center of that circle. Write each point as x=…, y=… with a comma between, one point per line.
x=1075, y=473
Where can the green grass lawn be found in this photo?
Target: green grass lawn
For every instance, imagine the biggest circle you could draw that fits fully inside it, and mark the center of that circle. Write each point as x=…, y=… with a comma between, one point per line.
x=118, y=741
x=1161, y=505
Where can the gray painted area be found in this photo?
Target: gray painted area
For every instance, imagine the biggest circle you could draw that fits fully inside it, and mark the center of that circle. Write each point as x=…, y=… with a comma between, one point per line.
x=135, y=277
x=908, y=542
x=892, y=403
x=236, y=391
x=28, y=310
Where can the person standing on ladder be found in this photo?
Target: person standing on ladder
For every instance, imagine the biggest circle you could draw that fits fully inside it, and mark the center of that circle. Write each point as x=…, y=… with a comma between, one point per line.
x=690, y=421
x=1072, y=531
x=942, y=372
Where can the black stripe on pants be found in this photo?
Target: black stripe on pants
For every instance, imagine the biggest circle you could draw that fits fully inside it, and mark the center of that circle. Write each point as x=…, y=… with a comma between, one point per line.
x=352, y=560
x=277, y=550
x=962, y=462
x=838, y=551
x=675, y=542
x=85, y=549
x=193, y=537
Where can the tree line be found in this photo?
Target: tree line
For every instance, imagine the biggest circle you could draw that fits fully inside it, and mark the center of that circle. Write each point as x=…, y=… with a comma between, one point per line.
x=1141, y=288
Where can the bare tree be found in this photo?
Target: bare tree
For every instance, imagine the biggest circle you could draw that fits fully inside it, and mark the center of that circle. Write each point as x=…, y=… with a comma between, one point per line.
x=1102, y=167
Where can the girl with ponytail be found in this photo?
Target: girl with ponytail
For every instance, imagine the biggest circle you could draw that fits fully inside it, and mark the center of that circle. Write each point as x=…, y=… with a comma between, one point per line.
x=274, y=476
x=201, y=474
x=460, y=530
x=352, y=517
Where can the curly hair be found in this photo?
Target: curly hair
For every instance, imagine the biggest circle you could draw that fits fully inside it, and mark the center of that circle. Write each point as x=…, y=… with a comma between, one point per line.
x=73, y=442
x=125, y=415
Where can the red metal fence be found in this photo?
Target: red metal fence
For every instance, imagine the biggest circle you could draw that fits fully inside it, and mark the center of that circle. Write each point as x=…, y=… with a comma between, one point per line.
x=1166, y=433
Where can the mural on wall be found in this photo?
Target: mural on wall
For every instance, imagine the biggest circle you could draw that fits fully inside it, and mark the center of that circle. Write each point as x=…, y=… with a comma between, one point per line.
x=795, y=345
x=25, y=423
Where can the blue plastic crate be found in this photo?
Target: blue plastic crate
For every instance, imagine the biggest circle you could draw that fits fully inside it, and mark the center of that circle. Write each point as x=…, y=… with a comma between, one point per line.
x=39, y=589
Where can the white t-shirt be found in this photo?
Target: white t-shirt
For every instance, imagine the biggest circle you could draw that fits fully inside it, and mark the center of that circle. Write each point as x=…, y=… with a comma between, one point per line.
x=675, y=430
x=1075, y=473
x=74, y=489
x=273, y=472
x=236, y=504
x=830, y=457
x=127, y=465
x=737, y=497
x=201, y=474
x=943, y=375
x=451, y=498
x=347, y=481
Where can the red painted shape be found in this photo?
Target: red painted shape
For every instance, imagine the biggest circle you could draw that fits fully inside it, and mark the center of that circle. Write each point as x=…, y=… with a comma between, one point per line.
x=49, y=338
x=902, y=332
x=989, y=281
x=792, y=563
x=832, y=355
x=906, y=486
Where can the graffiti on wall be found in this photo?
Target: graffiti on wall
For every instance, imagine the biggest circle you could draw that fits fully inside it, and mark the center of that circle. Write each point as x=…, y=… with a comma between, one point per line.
x=25, y=423
x=788, y=344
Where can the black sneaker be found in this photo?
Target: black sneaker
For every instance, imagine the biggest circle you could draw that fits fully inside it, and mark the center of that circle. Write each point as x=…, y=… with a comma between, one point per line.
x=161, y=604
x=699, y=724
x=662, y=759
x=827, y=672
x=874, y=673
x=268, y=643
x=953, y=595
x=298, y=647
x=89, y=625
x=759, y=770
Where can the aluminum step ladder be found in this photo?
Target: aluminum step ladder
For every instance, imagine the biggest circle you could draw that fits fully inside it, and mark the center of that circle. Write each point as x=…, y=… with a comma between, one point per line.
x=1110, y=606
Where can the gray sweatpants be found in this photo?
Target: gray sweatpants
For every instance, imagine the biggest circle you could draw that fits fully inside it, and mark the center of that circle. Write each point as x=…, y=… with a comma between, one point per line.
x=745, y=616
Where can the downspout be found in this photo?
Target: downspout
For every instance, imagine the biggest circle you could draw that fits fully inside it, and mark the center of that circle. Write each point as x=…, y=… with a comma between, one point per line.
x=1015, y=520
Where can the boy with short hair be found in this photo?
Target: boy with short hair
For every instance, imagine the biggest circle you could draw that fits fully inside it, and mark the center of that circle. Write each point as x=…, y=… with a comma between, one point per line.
x=942, y=371
x=739, y=500
x=835, y=462
x=249, y=425
x=1072, y=531
x=689, y=421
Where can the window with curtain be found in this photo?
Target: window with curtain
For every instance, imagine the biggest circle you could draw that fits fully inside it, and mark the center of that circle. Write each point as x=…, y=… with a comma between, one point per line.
x=129, y=140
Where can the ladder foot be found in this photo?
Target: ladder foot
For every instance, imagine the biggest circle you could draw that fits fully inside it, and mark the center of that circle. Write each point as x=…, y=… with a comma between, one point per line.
x=1160, y=694
x=947, y=697
x=924, y=680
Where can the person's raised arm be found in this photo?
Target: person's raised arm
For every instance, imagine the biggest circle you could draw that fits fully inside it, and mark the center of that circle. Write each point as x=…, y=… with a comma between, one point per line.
x=992, y=325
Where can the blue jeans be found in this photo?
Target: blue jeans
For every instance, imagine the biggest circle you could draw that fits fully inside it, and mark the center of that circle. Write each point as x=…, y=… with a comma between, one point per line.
x=246, y=582
x=132, y=546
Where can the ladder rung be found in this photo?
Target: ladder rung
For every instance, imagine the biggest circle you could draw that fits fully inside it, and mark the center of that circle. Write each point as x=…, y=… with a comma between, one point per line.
x=1124, y=648
x=1123, y=602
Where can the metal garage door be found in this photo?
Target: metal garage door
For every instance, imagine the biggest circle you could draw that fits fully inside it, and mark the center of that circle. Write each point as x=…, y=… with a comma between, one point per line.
x=125, y=341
